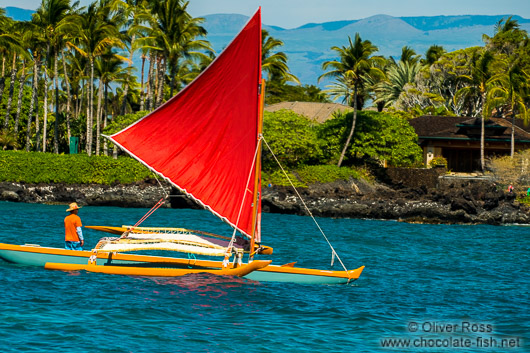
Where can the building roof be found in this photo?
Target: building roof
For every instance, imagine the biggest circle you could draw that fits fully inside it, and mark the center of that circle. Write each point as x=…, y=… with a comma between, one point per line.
x=315, y=111
x=457, y=127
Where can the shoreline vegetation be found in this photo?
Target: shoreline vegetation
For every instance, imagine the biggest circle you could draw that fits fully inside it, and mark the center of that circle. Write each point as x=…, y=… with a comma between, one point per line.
x=403, y=194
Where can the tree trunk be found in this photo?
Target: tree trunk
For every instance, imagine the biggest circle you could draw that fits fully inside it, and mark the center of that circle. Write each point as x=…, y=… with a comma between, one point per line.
x=79, y=101
x=33, y=101
x=37, y=126
x=56, y=125
x=90, y=109
x=161, y=79
x=11, y=90
x=98, y=116
x=150, y=80
x=482, y=135
x=45, y=108
x=142, y=93
x=105, y=117
x=172, y=84
x=126, y=88
x=2, y=78
x=21, y=81
x=69, y=99
x=512, y=151
x=45, y=124
x=352, y=128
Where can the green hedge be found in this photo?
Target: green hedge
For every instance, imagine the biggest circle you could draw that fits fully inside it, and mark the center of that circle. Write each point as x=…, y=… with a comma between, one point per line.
x=35, y=167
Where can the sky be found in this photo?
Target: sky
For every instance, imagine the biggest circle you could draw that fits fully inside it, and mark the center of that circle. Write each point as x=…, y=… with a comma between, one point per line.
x=294, y=13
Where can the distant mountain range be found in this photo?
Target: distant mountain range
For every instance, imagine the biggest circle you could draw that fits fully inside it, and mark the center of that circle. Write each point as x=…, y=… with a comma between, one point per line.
x=18, y=13
x=308, y=46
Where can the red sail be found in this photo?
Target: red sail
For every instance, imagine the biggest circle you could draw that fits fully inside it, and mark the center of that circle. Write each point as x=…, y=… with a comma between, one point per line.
x=204, y=139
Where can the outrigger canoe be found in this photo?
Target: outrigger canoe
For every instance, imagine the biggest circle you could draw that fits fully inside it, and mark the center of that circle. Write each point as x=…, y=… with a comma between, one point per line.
x=207, y=142
x=35, y=255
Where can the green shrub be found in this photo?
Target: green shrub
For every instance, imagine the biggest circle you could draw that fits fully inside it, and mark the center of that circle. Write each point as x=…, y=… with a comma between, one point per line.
x=329, y=173
x=277, y=177
x=292, y=138
x=36, y=167
x=438, y=161
x=379, y=137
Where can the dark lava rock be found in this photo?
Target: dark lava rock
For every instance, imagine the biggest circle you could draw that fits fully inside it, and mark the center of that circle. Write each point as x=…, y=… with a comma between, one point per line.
x=449, y=202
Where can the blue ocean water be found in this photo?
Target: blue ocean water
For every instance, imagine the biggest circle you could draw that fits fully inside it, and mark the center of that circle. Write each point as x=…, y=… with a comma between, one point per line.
x=419, y=280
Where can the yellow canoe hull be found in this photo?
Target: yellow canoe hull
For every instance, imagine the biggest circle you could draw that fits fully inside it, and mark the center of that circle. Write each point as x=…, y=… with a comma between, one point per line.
x=157, y=272
x=34, y=255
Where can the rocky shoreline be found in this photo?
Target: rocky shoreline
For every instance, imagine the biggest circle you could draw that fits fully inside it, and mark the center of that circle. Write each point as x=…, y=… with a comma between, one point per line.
x=451, y=201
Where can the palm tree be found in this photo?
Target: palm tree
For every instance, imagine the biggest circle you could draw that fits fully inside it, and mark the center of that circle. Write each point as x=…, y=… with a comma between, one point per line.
x=397, y=77
x=432, y=55
x=408, y=55
x=94, y=36
x=77, y=68
x=133, y=13
x=174, y=34
x=8, y=140
x=508, y=36
x=34, y=104
x=109, y=69
x=507, y=93
x=26, y=41
x=21, y=81
x=354, y=64
x=36, y=43
x=16, y=51
x=52, y=17
x=66, y=83
x=7, y=42
x=142, y=91
x=274, y=63
x=480, y=73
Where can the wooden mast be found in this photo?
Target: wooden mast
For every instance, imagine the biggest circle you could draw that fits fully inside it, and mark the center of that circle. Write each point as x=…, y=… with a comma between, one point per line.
x=257, y=171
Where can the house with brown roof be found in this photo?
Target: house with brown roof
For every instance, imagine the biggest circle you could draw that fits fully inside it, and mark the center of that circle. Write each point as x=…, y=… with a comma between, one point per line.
x=318, y=112
x=457, y=139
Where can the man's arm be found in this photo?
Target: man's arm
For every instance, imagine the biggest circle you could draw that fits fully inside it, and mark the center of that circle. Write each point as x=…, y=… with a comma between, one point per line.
x=80, y=235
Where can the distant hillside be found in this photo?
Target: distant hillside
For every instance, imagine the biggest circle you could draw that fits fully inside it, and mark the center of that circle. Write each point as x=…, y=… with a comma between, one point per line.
x=18, y=14
x=446, y=22
x=308, y=46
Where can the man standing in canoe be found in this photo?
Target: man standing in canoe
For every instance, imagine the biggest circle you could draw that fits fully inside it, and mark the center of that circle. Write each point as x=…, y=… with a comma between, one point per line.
x=73, y=235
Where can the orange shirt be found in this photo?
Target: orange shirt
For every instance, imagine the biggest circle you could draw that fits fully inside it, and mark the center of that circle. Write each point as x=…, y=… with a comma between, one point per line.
x=71, y=222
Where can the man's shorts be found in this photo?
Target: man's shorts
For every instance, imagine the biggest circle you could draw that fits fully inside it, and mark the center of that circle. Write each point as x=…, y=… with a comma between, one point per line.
x=72, y=245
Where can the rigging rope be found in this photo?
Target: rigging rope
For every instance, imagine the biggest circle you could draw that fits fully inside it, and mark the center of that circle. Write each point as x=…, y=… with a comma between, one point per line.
x=149, y=213
x=333, y=252
x=161, y=187
x=154, y=208
x=229, y=247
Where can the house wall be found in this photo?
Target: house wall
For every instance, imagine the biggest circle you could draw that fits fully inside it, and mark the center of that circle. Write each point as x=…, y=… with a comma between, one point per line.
x=429, y=152
x=464, y=155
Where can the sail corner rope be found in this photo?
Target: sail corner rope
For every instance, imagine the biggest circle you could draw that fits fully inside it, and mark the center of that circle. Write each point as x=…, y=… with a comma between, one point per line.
x=333, y=252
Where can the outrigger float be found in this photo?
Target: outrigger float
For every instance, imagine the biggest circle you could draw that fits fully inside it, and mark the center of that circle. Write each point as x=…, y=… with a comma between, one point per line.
x=110, y=261
x=206, y=141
